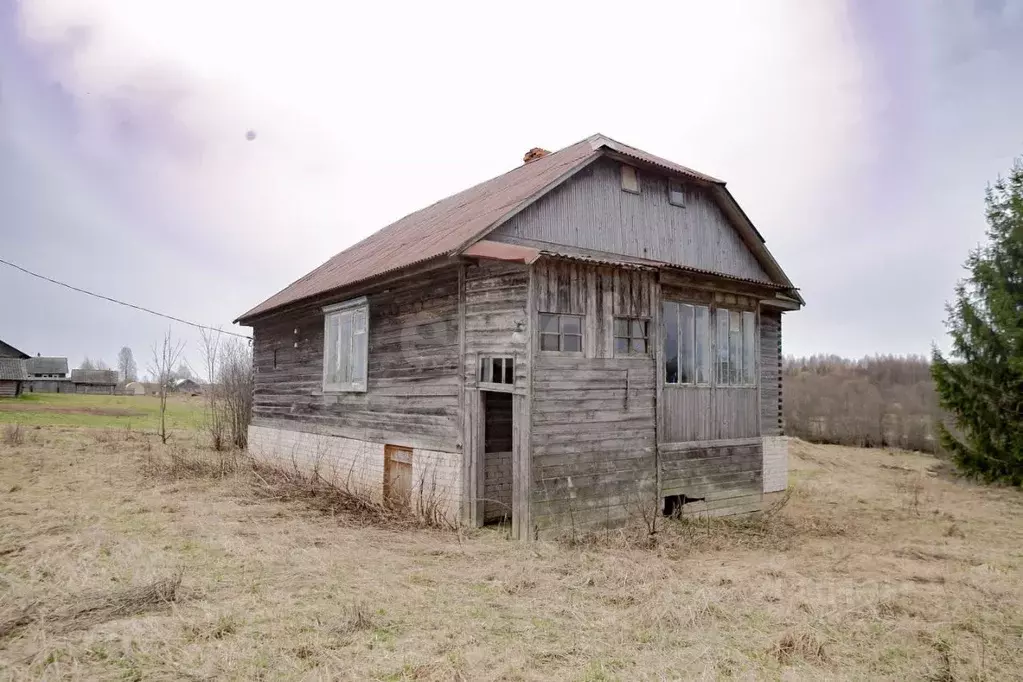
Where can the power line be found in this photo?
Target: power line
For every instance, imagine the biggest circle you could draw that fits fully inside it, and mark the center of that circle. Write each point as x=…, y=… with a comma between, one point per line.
x=114, y=300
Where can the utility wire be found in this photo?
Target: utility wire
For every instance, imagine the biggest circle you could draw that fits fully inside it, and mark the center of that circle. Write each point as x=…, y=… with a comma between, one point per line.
x=129, y=305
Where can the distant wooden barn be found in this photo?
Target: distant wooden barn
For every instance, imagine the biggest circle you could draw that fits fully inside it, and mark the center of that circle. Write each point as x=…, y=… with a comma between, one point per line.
x=47, y=367
x=12, y=377
x=588, y=337
x=190, y=386
x=94, y=380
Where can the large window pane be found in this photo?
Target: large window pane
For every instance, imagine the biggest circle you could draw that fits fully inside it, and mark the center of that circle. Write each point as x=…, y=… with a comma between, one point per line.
x=722, y=347
x=345, y=347
x=549, y=323
x=669, y=311
x=331, y=355
x=735, y=348
x=570, y=324
x=749, y=347
x=702, y=334
x=572, y=343
x=686, y=374
x=549, y=342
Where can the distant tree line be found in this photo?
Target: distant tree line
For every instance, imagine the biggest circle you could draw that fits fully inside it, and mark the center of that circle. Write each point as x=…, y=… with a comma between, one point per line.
x=879, y=401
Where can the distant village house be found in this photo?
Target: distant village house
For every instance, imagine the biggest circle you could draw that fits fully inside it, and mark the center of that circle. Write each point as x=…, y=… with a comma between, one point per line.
x=103, y=381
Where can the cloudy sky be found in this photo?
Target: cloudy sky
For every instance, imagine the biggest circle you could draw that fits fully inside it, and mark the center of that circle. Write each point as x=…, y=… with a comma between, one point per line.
x=858, y=136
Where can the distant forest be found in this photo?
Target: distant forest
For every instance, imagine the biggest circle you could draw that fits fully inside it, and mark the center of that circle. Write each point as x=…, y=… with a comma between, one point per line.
x=880, y=401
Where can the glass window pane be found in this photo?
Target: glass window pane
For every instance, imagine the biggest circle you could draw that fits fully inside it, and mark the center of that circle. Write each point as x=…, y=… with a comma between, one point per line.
x=639, y=346
x=621, y=326
x=572, y=343
x=359, y=357
x=548, y=342
x=669, y=311
x=638, y=329
x=722, y=347
x=686, y=352
x=509, y=370
x=497, y=365
x=548, y=323
x=483, y=369
x=735, y=348
x=621, y=345
x=571, y=324
x=702, y=334
x=330, y=353
x=749, y=346
x=344, y=344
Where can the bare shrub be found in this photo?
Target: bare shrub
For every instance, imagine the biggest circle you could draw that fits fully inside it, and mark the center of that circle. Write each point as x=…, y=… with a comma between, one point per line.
x=178, y=462
x=91, y=609
x=229, y=386
x=802, y=645
x=14, y=434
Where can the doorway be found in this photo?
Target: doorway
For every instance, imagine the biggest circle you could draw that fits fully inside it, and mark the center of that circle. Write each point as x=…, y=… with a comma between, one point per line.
x=498, y=444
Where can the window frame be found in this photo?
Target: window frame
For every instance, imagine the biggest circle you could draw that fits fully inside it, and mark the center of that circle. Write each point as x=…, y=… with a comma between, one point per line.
x=707, y=368
x=724, y=324
x=645, y=321
x=336, y=313
x=635, y=174
x=489, y=359
x=561, y=334
x=681, y=203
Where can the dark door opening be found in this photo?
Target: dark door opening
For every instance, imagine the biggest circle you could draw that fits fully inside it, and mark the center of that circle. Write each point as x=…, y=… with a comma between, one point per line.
x=498, y=426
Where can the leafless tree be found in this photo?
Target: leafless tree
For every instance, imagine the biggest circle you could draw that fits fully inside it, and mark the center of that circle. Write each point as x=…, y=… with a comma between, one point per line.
x=126, y=365
x=87, y=363
x=102, y=365
x=215, y=419
x=165, y=354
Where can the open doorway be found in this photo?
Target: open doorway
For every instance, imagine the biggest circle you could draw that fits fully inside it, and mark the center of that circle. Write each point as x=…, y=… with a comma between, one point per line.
x=498, y=427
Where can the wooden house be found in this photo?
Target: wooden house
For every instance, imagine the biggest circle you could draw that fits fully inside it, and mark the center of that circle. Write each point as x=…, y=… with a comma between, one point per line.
x=593, y=335
x=41, y=367
x=12, y=377
x=9, y=351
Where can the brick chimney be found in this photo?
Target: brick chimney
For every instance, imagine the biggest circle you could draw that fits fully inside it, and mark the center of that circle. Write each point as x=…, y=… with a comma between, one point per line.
x=534, y=154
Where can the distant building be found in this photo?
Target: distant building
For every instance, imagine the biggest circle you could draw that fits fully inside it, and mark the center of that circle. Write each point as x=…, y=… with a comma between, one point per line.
x=94, y=380
x=135, y=388
x=188, y=386
x=46, y=368
x=9, y=351
x=12, y=376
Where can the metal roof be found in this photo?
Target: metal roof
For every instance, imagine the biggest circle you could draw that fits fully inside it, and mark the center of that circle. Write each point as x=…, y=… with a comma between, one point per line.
x=40, y=365
x=12, y=369
x=452, y=224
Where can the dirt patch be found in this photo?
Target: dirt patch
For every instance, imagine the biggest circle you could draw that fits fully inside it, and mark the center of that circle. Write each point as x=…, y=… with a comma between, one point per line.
x=95, y=411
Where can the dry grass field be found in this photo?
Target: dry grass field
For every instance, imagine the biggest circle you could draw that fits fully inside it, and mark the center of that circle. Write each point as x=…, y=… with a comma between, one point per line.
x=113, y=566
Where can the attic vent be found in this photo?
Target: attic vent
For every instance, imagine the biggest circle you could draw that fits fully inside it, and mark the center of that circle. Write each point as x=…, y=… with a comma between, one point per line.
x=534, y=154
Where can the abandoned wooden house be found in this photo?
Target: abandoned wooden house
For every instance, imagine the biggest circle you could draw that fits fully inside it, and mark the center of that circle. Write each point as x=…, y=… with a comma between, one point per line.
x=589, y=336
x=12, y=377
x=94, y=381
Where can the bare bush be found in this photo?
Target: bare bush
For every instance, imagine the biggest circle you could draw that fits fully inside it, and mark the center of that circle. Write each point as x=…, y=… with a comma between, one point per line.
x=228, y=397
x=14, y=434
x=880, y=401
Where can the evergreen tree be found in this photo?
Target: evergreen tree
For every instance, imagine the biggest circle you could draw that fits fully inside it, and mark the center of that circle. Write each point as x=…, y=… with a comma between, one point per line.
x=982, y=384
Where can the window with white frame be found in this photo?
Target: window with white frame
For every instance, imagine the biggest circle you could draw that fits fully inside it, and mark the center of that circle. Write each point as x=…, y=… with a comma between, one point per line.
x=632, y=336
x=346, y=346
x=736, y=348
x=561, y=333
x=687, y=343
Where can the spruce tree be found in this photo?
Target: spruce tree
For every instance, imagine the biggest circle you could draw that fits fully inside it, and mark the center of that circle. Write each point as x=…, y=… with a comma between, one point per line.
x=981, y=384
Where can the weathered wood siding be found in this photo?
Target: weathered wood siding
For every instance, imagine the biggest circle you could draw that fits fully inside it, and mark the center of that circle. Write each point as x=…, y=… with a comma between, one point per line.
x=593, y=418
x=771, y=417
x=591, y=211
x=495, y=316
x=708, y=413
x=726, y=475
x=412, y=397
x=10, y=389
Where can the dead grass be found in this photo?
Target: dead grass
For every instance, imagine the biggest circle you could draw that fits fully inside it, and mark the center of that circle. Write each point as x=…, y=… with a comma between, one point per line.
x=856, y=576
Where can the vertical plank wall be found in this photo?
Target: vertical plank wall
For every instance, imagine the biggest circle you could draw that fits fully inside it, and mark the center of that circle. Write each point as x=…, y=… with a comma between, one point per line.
x=772, y=421
x=591, y=211
x=593, y=427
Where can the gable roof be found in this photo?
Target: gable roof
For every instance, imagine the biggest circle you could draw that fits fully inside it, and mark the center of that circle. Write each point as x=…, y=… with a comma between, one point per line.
x=40, y=365
x=12, y=369
x=9, y=351
x=453, y=224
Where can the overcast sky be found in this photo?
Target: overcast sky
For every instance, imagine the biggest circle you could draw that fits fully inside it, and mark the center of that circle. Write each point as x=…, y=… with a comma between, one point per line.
x=858, y=136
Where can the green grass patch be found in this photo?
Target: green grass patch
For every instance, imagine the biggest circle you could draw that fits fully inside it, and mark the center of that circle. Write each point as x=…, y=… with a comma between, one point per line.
x=100, y=411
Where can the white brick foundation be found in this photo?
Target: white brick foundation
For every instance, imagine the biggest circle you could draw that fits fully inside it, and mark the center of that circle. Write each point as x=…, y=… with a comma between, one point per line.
x=360, y=464
x=776, y=463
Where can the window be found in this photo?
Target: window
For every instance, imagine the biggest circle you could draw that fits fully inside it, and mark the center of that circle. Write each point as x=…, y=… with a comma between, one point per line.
x=686, y=343
x=345, y=346
x=736, y=351
x=561, y=333
x=631, y=335
x=497, y=370
x=676, y=197
x=630, y=179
